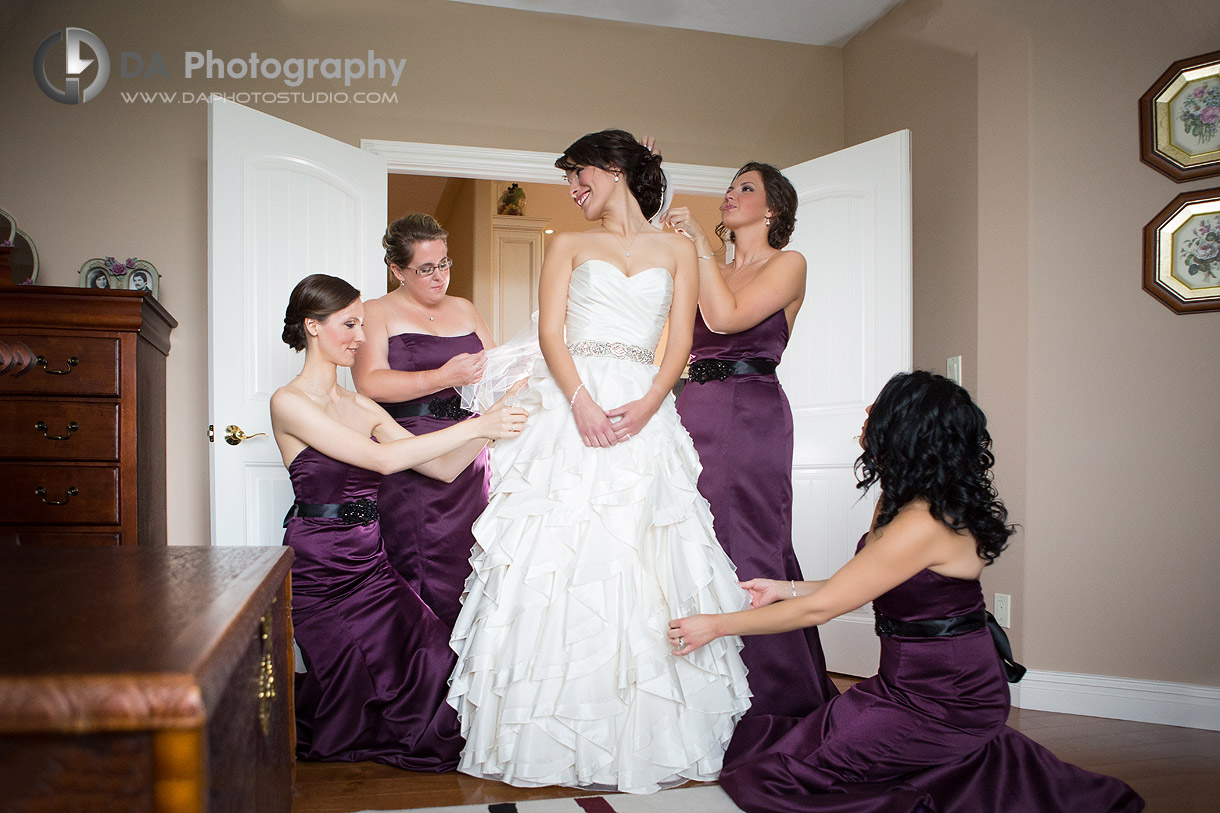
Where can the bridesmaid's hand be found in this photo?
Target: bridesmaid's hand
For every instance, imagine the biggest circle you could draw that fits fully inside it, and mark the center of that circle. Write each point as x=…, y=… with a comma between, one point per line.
x=688, y=634
x=502, y=421
x=766, y=591
x=463, y=369
x=680, y=219
x=591, y=421
x=633, y=416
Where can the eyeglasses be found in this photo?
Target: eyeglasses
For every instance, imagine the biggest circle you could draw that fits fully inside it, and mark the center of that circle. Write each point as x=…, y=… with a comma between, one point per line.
x=429, y=270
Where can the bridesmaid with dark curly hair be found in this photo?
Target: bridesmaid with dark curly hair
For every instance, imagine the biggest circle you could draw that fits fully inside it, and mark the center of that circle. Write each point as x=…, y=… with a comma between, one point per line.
x=927, y=732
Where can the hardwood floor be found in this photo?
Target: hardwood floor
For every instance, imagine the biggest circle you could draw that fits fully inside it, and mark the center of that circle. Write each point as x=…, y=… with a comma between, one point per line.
x=1176, y=770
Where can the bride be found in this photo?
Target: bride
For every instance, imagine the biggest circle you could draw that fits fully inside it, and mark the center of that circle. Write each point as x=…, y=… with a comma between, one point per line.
x=595, y=534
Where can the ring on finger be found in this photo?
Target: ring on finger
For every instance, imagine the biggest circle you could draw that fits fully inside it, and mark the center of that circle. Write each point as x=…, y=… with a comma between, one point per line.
x=681, y=642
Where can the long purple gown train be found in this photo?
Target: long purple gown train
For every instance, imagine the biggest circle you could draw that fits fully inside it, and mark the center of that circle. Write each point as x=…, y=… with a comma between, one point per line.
x=926, y=734
x=425, y=522
x=377, y=657
x=742, y=429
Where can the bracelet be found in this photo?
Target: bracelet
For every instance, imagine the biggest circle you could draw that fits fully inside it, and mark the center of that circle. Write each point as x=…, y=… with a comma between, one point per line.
x=793, y=581
x=572, y=403
x=707, y=256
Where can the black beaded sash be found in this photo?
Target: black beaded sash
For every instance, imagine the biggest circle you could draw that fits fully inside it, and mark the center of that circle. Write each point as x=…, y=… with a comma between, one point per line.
x=720, y=369
x=361, y=512
x=937, y=627
x=449, y=409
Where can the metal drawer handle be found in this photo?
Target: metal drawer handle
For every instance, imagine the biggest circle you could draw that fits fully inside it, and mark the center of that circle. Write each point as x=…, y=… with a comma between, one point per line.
x=41, y=426
x=42, y=362
x=69, y=494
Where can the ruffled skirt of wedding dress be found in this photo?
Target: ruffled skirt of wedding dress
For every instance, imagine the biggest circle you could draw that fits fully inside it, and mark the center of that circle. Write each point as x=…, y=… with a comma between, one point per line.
x=564, y=674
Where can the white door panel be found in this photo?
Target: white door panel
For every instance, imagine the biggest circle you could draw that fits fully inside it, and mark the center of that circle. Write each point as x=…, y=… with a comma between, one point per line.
x=284, y=202
x=853, y=333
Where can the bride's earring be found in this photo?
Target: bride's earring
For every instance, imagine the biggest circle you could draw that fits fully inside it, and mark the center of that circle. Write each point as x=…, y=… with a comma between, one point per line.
x=767, y=220
x=616, y=177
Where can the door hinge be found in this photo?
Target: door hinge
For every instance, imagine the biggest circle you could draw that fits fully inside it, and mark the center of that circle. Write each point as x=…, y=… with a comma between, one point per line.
x=211, y=433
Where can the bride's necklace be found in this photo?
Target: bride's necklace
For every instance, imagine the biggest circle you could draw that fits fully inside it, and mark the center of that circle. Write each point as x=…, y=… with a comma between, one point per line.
x=626, y=246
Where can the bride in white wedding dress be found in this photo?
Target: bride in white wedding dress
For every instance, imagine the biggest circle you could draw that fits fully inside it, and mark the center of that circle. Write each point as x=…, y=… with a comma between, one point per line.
x=595, y=535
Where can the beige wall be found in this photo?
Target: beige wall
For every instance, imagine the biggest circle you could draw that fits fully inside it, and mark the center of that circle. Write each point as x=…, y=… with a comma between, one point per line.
x=131, y=179
x=1029, y=205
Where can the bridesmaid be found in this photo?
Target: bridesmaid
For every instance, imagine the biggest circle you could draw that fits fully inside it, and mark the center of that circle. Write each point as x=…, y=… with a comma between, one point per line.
x=376, y=657
x=927, y=732
x=422, y=344
x=737, y=414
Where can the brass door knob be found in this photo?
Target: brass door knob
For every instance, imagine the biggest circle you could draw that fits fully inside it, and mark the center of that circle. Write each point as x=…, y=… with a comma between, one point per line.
x=234, y=435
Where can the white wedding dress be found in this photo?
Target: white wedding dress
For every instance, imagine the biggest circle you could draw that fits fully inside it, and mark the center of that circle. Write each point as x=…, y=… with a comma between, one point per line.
x=564, y=674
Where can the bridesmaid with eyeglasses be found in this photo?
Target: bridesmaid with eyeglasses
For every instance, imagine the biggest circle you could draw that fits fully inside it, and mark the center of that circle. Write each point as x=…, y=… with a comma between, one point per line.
x=421, y=345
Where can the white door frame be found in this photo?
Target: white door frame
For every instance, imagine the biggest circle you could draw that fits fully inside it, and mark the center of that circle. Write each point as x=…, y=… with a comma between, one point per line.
x=488, y=163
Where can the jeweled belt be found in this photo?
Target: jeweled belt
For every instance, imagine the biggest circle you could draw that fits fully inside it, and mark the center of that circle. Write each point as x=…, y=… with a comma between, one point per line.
x=957, y=625
x=449, y=409
x=360, y=512
x=618, y=350
x=720, y=369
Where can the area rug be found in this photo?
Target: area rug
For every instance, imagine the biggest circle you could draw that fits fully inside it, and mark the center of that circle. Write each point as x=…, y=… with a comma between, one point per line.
x=705, y=799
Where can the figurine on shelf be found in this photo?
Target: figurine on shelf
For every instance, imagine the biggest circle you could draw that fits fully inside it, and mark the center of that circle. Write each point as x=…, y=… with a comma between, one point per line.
x=512, y=202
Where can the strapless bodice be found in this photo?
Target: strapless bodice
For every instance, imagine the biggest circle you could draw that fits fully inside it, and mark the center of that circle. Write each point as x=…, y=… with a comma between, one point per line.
x=604, y=304
x=766, y=340
x=317, y=478
x=928, y=594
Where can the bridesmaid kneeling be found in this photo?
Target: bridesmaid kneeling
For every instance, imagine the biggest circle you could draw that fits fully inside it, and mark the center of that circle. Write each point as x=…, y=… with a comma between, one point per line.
x=928, y=732
x=377, y=657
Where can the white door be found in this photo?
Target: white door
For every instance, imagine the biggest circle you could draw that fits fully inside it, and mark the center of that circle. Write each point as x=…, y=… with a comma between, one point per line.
x=283, y=203
x=853, y=333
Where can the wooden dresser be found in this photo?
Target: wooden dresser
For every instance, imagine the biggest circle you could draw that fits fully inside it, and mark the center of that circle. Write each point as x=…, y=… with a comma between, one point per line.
x=82, y=416
x=145, y=679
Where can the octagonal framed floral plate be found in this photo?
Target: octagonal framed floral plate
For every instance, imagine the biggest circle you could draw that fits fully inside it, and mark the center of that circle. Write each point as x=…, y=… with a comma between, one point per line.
x=1180, y=119
x=1182, y=253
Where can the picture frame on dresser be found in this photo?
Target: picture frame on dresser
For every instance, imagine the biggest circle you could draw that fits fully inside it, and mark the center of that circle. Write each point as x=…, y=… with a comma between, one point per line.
x=132, y=275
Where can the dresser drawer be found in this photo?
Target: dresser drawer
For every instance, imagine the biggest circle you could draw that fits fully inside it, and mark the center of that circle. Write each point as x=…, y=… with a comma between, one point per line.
x=68, y=365
x=59, y=429
x=95, y=501
x=58, y=538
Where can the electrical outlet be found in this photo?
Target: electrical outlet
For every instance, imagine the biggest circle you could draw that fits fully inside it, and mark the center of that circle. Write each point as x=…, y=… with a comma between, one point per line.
x=1003, y=609
x=953, y=369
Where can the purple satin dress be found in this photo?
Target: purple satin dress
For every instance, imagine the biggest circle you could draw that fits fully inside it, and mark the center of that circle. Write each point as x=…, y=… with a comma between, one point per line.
x=742, y=429
x=426, y=522
x=927, y=733
x=377, y=658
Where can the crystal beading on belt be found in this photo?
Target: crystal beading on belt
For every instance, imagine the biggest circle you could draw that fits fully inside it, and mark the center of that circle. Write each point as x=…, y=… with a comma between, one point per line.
x=618, y=350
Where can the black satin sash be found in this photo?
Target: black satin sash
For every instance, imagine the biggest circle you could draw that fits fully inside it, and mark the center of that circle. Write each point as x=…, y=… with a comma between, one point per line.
x=937, y=627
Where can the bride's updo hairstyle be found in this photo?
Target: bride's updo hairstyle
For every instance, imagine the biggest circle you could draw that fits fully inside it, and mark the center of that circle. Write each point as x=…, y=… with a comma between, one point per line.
x=315, y=297
x=781, y=200
x=617, y=150
x=927, y=439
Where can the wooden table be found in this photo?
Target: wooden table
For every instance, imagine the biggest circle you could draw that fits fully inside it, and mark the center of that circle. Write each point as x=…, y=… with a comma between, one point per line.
x=145, y=679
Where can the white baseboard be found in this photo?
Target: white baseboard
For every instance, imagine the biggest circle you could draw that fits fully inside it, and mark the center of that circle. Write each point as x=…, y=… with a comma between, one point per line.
x=1145, y=701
